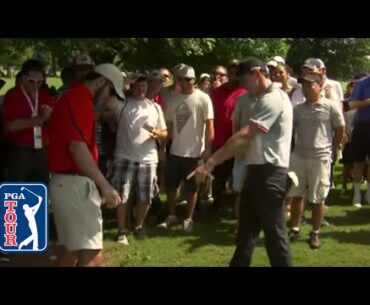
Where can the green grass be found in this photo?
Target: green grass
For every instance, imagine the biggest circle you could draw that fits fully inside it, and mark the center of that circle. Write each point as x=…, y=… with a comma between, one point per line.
x=51, y=81
x=346, y=242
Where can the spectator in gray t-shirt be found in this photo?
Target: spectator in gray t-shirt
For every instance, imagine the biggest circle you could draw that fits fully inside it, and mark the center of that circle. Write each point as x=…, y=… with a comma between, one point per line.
x=319, y=126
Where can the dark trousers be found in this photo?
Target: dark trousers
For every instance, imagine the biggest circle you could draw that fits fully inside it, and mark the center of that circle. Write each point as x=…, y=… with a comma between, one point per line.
x=221, y=174
x=262, y=208
x=26, y=164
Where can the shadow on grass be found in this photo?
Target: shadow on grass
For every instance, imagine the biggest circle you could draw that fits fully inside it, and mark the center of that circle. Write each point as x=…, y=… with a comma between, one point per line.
x=356, y=217
x=360, y=237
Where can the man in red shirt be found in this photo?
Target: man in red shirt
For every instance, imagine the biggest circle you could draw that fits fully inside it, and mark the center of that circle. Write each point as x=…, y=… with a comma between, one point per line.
x=77, y=186
x=26, y=110
x=223, y=99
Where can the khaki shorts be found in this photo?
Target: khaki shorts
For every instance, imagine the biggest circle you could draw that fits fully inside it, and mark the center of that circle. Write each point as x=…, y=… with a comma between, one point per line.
x=313, y=176
x=76, y=205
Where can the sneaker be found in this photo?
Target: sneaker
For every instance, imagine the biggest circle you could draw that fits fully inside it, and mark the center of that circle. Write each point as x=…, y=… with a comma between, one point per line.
x=208, y=200
x=357, y=200
x=4, y=258
x=325, y=223
x=314, y=240
x=182, y=203
x=188, y=225
x=122, y=238
x=293, y=234
x=140, y=233
x=170, y=220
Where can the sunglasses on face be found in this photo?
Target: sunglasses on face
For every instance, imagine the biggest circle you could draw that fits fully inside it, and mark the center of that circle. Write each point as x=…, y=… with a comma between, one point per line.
x=186, y=79
x=37, y=82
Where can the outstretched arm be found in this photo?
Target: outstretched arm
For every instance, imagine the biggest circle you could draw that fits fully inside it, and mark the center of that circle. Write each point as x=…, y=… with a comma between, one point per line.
x=237, y=142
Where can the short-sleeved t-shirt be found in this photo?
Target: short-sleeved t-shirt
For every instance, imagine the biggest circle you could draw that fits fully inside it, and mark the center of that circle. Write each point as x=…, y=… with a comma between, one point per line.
x=362, y=92
x=223, y=99
x=273, y=116
x=189, y=114
x=133, y=140
x=241, y=115
x=314, y=124
x=72, y=120
x=16, y=106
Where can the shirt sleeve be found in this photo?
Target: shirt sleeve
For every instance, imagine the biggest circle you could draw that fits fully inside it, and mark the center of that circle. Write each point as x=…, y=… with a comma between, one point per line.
x=161, y=125
x=336, y=116
x=235, y=117
x=11, y=109
x=267, y=112
x=208, y=108
x=340, y=91
x=358, y=92
x=80, y=123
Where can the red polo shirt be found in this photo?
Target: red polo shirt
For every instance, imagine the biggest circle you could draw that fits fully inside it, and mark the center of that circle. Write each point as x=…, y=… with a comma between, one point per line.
x=223, y=99
x=73, y=119
x=16, y=107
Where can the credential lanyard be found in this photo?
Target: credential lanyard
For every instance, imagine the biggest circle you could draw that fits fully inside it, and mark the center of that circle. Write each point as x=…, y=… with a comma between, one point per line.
x=37, y=132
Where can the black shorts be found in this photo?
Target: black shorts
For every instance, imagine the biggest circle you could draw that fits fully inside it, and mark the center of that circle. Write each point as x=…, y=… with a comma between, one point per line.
x=177, y=169
x=347, y=154
x=360, y=142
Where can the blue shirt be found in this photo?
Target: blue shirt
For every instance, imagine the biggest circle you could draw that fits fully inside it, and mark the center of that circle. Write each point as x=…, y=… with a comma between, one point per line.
x=362, y=92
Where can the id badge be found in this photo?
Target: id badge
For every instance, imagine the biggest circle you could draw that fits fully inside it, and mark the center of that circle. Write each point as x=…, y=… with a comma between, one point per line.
x=37, y=136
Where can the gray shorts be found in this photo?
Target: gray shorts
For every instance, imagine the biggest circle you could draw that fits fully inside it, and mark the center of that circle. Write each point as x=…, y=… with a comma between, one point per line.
x=76, y=206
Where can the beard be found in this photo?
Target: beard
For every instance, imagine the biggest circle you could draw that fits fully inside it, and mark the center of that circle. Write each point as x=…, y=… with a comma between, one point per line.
x=99, y=96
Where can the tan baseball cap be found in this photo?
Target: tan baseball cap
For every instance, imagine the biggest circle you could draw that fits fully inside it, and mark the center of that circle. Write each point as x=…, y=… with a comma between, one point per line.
x=187, y=71
x=114, y=75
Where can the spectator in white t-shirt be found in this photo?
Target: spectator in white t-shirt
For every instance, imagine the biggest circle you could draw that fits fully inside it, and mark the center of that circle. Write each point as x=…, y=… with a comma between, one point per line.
x=140, y=124
x=189, y=116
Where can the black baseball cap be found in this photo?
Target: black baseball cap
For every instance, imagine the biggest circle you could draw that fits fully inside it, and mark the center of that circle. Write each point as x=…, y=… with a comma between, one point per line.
x=251, y=64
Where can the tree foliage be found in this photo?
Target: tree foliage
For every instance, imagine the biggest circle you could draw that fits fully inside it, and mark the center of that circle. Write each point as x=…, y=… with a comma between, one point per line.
x=343, y=56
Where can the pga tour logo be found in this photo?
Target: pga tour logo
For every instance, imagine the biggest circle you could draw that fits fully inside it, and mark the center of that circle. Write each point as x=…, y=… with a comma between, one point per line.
x=23, y=217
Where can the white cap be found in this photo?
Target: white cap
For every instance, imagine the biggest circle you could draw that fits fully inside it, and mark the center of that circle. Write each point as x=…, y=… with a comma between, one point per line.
x=279, y=60
x=272, y=63
x=113, y=74
x=203, y=75
x=186, y=71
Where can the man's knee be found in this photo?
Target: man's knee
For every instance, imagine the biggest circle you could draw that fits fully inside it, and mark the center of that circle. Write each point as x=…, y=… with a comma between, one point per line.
x=91, y=258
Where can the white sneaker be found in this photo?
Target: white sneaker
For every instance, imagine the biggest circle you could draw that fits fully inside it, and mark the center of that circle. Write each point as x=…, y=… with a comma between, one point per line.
x=170, y=220
x=357, y=200
x=182, y=203
x=188, y=225
x=122, y=238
